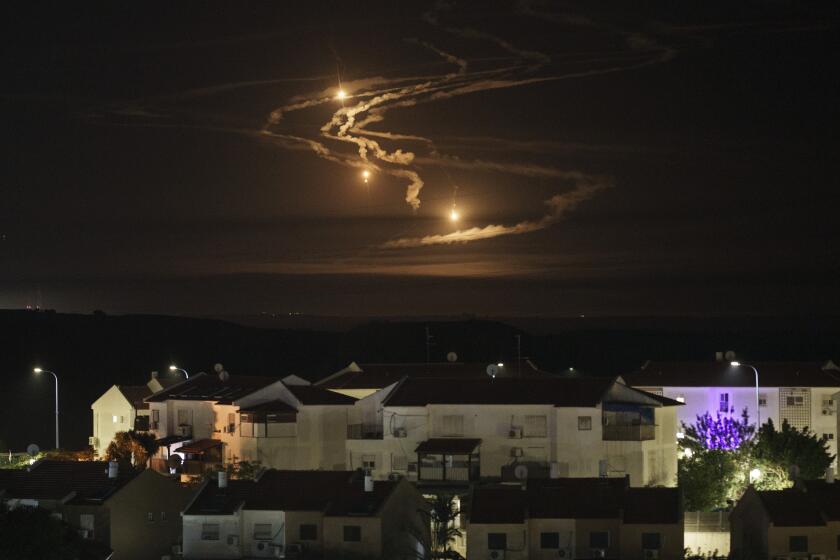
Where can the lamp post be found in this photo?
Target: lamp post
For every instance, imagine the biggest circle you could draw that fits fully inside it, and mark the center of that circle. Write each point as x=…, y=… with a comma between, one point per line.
x=176, y=368
x=38, y=370
x=757, y=409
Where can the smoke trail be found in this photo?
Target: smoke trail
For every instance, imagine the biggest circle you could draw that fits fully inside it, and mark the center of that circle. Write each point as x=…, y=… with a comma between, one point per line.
x=558, y=205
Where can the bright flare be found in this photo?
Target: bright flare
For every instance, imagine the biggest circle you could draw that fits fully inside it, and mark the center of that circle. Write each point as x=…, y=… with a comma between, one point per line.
x=341, y=94
x=454, y=216
x=366, y=175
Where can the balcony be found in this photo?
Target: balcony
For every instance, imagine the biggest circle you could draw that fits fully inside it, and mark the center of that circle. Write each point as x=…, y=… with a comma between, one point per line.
x=629, y=432
x=364, y=431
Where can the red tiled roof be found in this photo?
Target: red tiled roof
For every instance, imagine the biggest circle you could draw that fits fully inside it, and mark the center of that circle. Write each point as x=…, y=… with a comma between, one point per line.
x=577, y=391
x=722, y=374
x=310, y=395
x=204, y=387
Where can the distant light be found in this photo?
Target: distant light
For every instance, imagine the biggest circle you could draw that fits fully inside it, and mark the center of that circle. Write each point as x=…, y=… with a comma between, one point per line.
x=735, y=364
x=500, y=364
x=688, y=453
x=37, y=370
x=341, y=94
x=454, y=216
x=681, y=399
x=366, y=175
x=680, y=435
x=755, y=474
x=172, y=368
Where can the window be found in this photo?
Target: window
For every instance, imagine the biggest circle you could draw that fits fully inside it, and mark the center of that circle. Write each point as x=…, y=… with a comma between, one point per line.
x=150, y=517
x=651, y=541
x=549, y=540
x=231, y=422
x=184, y=417
x=308, y=532
x=795, y=401
x=86, y=524
x=262, y=531
x=599, y=540
x=209, y=531
x=762, y=399
x=584, y=422
x=155, y=419
x=496, y=541
x=453, y=425
x=828, y=437
x=163, y=516
x=369, y=462
x=535, y=426
x=798, y=543
x=724, y=402
x=828, y=402
x=117, y=419
x=399, y=462
x=352, y=533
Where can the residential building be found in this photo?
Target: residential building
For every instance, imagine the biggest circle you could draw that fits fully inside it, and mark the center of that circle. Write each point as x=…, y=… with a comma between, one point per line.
x=319, y=512
x=212, y=420
x=800, y=522
x=459, y=430
x=803, y=393
x=575, y=518
x=122, y=408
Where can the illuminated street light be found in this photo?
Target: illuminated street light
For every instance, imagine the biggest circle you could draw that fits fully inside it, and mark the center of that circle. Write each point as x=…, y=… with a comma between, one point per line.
x=38, y=371
x=174, y=368
x=757, y=410
x=755, y=474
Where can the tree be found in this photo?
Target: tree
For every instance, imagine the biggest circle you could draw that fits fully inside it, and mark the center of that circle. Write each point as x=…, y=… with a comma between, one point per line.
x=719, y=432
x=791, y=446
x=132, y=448
x=443, y=515
x=709, y=479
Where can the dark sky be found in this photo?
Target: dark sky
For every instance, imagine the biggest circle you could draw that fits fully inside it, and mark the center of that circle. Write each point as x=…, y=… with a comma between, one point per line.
x=606, y=158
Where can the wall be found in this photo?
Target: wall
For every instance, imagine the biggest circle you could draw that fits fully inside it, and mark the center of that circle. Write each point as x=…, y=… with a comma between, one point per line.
x=277, y=519
x=294, y=519
x=821, y=540
x=370, y=545
x=748, y=525
x=583, y=527
x=671, y=540
x=566, y=529
x=405, y=531
x=707, y=531
x=194, y=547
x=517, y=536
x=111, y=403
x=133, y=537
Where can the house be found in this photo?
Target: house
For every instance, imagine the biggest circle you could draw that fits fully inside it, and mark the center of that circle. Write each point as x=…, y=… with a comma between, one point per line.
x=455, y=431
x=799, y=522
x=575, y=518
x=320, y=512
x=211, y=420
x=122, y=408
x=362, y=380
x=803, y=393
x=76, y=491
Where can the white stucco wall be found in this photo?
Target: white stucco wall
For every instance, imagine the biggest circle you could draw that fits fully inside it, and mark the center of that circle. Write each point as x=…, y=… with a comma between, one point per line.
x=111, y=404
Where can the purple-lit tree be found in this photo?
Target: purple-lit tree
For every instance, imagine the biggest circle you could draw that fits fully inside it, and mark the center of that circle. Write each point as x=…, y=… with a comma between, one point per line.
x=721, y=432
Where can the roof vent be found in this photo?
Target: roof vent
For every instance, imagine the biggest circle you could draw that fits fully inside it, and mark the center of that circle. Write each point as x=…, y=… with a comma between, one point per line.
x=368, y=482
x=154, y=375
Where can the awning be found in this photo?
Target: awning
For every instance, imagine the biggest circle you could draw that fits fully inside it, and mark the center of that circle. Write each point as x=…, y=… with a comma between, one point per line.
x=452, y=446
x=200, y=446
x=169, y=440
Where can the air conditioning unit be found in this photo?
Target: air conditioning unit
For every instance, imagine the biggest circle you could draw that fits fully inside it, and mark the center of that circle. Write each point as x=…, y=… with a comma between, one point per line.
x=185, y=430
x=599, y=553
x=262, y=549
x=651, y=554
x=496, y=554
x=177, y=550
x=400, y=432
x=515, y=433
x=86, y=533
x=92, y=441
x=233, y=540
x=516, y=452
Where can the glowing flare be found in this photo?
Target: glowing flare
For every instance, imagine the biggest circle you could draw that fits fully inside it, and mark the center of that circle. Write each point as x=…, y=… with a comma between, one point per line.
x=341, y=94
x=366, y=175
x=454, y=216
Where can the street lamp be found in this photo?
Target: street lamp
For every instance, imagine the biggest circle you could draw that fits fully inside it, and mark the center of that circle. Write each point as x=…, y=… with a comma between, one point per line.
x=38, y=371
x=176, y=368
x=757, y=409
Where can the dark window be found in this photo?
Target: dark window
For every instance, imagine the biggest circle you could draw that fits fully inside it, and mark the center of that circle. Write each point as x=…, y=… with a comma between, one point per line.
x=308, y=532
x=651, y=541
x=584, y=422
x=599, y=539
x=798, y=544
x=352, y=533
x=496, y=541
x=549, y=540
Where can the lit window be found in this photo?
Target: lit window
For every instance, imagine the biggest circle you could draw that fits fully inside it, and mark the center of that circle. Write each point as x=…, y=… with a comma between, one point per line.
x=115, y=419
x=680, y=435
x=681, y=399
x=584, y=422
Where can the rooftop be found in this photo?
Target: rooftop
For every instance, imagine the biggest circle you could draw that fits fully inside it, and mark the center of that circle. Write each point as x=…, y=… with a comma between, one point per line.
x=135, y=394
x=56, y=480
x=309, y=395
x=722, y=374
x=812, y=505
x=204, y=387
x=338, y=493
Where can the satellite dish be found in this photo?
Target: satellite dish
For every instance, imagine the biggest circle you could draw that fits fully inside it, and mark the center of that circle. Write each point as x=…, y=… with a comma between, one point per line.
x=730, y=355
x=33, y=449
x=218, y=368
x=452, y=357
x=520, y=472
x=492, y=370
x=174, y=461
x=223, y=375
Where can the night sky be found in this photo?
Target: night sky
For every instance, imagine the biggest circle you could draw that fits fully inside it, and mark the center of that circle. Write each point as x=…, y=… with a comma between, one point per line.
x=604, y=158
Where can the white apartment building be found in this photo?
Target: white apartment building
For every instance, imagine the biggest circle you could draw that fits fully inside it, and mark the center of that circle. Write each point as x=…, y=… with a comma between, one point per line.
x=803, y=393
x=122, y=408
x=283, y=513
x=453, y=431
x=221, y=419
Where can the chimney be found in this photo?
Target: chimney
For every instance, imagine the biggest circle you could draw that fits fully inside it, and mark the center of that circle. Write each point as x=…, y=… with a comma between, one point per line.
x=113, y=469
x=368, y=482
x=154, y=375
x=829, y=475
x=222, y=479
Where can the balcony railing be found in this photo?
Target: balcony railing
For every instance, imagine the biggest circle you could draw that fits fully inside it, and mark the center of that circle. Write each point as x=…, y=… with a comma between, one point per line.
x=629, y=432
x=364, y=431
